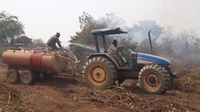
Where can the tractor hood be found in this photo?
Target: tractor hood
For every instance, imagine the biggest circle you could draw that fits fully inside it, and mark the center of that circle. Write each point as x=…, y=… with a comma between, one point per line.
x=152, y=58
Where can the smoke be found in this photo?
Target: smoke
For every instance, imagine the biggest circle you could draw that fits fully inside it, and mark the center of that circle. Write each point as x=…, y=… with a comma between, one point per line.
x=181, y=48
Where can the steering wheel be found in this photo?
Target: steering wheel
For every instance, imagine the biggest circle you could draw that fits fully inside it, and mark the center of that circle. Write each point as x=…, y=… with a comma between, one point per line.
x=120, y=48
x=121, y=51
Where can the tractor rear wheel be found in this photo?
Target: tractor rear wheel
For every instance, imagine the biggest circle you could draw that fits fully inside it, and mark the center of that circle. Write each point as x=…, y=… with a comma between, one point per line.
x=12, y=76
x=99, y=73
x=154, y=79
x=27, y=77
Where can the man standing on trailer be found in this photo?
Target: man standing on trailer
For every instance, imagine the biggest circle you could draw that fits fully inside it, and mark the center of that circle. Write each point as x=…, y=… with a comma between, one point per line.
x=53, y=41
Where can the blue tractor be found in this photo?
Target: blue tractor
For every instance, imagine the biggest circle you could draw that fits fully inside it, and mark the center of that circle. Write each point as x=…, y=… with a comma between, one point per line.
x=103, y=71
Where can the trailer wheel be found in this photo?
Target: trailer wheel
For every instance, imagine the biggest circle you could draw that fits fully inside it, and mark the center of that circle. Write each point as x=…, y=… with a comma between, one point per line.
x=99, y=73
x=154, y=79
x=12, y=76
x=27, y=77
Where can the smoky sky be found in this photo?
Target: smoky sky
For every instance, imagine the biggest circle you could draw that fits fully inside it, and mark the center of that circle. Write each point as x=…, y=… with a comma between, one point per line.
x=43, y=18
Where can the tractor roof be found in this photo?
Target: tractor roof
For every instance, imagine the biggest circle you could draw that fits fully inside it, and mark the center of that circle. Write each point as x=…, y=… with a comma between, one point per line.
x=108, y=31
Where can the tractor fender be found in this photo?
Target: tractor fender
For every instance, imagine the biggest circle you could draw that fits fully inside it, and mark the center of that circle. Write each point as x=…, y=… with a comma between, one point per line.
x=107, y=56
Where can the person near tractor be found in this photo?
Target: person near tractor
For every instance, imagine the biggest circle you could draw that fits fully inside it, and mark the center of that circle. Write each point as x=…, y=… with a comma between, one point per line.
x=53, y=41
x=113, y=50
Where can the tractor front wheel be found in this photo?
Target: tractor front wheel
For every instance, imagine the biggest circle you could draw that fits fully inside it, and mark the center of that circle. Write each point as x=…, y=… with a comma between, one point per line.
x=100, y=73
x=154, y=79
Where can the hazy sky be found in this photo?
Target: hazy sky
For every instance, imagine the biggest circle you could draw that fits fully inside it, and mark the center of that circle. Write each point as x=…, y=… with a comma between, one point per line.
x=43, y=18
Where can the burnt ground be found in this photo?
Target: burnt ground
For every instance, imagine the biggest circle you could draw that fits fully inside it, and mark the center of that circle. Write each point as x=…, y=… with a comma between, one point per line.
x=69, y=94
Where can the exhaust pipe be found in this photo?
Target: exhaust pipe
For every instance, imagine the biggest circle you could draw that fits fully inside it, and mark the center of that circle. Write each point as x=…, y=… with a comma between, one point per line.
x=150, y=41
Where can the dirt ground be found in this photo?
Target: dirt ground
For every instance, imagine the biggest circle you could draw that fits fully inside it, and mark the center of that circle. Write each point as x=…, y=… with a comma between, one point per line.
x=69, y=94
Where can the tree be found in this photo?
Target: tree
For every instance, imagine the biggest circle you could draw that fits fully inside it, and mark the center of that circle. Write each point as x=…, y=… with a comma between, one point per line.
x=10, y=27
x=127, y=43
x=39, y=43
x=112, y=21
x=87, y=24
x=24, y=40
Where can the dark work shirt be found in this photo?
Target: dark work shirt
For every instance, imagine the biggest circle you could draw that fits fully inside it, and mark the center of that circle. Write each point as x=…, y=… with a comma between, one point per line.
x=52, y=42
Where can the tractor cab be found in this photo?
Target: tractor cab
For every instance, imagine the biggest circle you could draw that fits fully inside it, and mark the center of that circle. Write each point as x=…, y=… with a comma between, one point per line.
x=103, y=33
